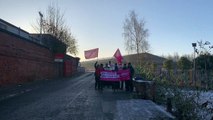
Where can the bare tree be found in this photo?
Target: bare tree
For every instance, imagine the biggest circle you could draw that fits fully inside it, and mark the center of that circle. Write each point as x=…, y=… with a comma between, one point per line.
x=135, y=34
x=54, y=24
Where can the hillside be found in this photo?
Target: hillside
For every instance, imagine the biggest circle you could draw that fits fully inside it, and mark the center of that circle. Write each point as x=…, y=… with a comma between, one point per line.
x=133, y=58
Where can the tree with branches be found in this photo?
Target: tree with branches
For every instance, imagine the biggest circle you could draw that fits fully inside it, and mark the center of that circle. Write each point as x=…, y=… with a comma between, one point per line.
x=135, y=34
x=184, y=63
x=204, y=61
x=53, y=23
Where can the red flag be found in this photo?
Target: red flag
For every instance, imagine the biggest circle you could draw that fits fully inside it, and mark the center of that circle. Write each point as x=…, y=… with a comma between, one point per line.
x=118, y=56
x=93, y=53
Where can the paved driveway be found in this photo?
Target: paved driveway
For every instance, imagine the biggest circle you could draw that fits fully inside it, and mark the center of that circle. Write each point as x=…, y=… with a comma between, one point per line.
x=76, y=99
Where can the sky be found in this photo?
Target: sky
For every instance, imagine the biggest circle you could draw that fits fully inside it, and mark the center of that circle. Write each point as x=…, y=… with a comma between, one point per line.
x=173, y=24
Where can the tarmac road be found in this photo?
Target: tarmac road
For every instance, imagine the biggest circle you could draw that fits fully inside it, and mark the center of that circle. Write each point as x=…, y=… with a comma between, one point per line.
x=67, y=99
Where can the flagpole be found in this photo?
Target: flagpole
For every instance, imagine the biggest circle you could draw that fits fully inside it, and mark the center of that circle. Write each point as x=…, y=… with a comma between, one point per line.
x=97, y=56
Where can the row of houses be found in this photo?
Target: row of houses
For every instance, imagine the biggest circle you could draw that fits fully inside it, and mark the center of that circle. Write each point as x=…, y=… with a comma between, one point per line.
x=29, y=57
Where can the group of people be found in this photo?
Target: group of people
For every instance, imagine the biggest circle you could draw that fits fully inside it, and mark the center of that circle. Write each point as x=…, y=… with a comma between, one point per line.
x=99, y=84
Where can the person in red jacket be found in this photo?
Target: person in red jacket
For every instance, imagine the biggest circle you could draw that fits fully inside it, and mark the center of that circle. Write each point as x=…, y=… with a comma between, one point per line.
x=96, y=66
x=101, y=68
x=98, y=69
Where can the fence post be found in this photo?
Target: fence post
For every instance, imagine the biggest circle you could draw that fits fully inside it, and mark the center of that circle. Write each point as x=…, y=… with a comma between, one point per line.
x=169, y=104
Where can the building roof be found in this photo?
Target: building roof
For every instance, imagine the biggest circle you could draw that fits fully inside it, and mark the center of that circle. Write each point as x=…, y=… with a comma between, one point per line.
x=45, y=40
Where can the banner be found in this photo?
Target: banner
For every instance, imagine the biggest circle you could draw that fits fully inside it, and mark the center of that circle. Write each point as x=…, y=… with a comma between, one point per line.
x=93, y=53
x=118, y=56
x=120, y=75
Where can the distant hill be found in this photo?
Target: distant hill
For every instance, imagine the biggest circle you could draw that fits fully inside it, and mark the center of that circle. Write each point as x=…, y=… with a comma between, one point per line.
x=133, y=58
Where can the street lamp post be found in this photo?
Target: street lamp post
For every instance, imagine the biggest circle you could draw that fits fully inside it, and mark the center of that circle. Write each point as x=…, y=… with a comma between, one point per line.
x=194, y=75
x=41, y=25
x=41, y=20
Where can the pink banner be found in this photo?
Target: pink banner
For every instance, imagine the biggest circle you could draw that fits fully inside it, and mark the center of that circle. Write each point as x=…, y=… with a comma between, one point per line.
x=121, y=75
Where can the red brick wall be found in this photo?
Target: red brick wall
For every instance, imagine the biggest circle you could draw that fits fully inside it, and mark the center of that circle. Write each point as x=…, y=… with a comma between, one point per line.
x=70, y=65
x=67, y=68
x=21, y=60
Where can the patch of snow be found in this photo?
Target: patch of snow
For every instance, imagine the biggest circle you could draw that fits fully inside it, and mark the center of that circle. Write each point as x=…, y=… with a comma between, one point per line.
x=140, y=110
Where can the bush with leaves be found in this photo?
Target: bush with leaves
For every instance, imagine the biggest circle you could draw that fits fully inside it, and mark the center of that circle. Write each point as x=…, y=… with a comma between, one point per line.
x=183, y=100
x=184, y=105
